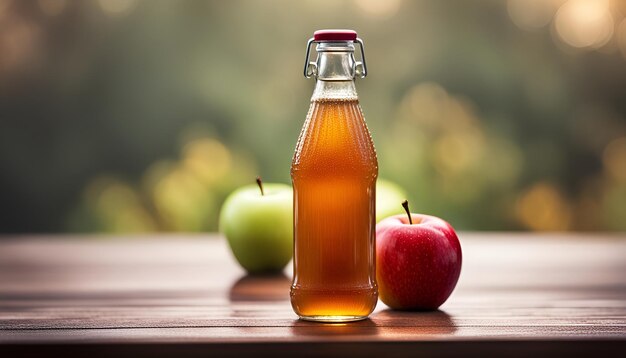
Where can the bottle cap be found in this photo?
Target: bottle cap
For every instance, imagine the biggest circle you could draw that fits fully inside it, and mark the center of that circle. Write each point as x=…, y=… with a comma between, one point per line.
x=334, y=35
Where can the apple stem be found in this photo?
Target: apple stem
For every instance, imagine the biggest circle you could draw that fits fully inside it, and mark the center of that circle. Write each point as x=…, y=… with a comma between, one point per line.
x=259, y=182
x=405, y=205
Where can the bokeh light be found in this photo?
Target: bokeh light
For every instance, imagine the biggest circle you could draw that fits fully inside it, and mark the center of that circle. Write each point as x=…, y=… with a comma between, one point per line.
x=584, y=23
x=182, y=201
x=457, y=151
x=207, y=158
x=116, y=207
x=532, y=14
x=543, y=207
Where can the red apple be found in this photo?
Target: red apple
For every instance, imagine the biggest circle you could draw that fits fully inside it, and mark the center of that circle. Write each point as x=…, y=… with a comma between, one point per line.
x=418, y=261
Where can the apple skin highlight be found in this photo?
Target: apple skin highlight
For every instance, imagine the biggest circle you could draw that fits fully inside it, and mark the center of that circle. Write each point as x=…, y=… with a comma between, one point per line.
x=417, y=266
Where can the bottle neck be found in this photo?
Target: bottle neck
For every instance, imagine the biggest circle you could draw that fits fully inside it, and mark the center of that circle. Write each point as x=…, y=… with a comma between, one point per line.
x=334, y=90
x=336, y=69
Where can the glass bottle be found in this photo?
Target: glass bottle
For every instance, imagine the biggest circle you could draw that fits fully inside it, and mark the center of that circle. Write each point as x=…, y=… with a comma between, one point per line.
x=334, y=173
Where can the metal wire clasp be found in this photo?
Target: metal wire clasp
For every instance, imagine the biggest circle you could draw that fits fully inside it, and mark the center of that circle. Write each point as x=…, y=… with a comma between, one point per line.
x=310, y=68
x=360, y=66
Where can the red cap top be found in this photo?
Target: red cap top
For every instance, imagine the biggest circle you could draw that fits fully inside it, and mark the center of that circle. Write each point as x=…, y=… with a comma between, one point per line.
x=334, y=35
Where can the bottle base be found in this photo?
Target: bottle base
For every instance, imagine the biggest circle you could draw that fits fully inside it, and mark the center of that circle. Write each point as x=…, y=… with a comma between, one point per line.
x=333, y=319
x=334, y=305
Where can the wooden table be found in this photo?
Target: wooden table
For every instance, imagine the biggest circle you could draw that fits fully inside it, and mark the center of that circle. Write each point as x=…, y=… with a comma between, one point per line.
x=170, y=295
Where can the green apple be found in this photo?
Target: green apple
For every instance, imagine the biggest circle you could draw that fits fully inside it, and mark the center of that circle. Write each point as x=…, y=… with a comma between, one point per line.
x=258, y=224
x=388, y=198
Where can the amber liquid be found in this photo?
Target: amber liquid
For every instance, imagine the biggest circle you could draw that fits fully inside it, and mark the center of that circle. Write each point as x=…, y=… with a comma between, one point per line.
x=334, y=174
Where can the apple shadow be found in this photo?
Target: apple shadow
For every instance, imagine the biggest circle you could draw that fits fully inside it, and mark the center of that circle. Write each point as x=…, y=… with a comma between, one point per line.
x=426, y=323
x=264, y=288
x=365, y=328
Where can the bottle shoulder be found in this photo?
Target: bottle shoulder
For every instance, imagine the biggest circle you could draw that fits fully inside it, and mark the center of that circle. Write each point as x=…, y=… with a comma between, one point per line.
x=335, y=140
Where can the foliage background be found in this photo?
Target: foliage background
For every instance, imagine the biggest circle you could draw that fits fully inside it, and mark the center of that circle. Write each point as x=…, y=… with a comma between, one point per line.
x=133, y=116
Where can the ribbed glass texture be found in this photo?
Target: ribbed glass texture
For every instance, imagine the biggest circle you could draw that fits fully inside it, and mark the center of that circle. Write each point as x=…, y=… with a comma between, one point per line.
x=334, y=173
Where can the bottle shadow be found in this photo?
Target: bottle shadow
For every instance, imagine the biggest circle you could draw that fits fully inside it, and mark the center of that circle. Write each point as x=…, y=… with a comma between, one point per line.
x=426, y=323
x=365, y=328
x=263, y=288
x=387, y=324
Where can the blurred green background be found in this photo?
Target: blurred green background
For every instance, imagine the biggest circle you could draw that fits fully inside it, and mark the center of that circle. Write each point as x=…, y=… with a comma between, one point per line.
x=135, y=116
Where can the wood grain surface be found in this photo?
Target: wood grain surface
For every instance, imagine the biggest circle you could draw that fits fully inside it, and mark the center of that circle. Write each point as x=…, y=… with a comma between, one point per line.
x=172, y=295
